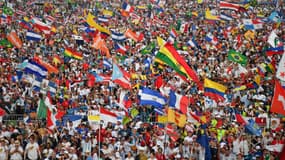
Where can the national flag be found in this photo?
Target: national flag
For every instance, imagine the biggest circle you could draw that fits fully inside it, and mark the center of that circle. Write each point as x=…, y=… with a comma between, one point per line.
x=49, y=18
x=151, y=97
x=127, y=7
x=171, y=132
x=51, y=119
x=3, y=19
x=4, y=43
x=214, y=90
x=19, y=12
x=252, y=24
x=103, y=19
x=274, y=51
x=8, y=10
x=252, y=128
x=121, y=77
x=192, y=43
x=168, y=55
x=273, y=40
x=32, y=36
x=229, y=6
x=278, y=101
x=107, y=13
x=33, y=67
x=75, y=119
x=107, y=64
x=148, y=49
x=43, y=86
x=101, y=78
x=43, y=27
x=184, y=27
x=274, y=17
x=281, y=69
x=14, y=39
x=25, y=24
x=93, y=118
x=68, y=52
x=211, y=38
x=119, y=48
x=159, y=81
x=124, y=100
x=17, y=77
x=42, y=110
x=240, y=119
x=50, y=68
x=136, y=36
x=57, y=60
x=100, y=44
x=173, y=33
x=118, y=36
x=210, y=16
x=107, y=116
x=237, y=57
x=178, y=101
x=225, y=17
x=92, y=23
x=203, y=140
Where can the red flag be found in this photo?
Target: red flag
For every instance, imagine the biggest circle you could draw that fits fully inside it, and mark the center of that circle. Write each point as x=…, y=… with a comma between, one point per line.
x=278, y=101
x=159, y=81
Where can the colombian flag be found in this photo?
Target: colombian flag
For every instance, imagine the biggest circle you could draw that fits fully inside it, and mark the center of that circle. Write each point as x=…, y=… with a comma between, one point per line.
x=214, y=90
x=72, y=54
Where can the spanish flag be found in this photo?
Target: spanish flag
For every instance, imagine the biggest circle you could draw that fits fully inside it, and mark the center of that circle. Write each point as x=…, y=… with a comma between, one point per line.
x=72, y=54
x=214, y=90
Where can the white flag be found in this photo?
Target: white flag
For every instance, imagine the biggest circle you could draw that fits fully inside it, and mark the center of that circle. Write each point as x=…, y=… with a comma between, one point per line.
x=272, y=39
x=281, y=69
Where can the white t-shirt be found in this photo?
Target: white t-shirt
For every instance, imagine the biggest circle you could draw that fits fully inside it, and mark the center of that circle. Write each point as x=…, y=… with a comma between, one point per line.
x=16, y=155
x=32, y=150
x=3, y=152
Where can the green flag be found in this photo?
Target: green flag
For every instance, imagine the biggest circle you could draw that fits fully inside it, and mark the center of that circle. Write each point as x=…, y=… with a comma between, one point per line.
x=42, y=110
x=237, y=57
x=148, y=49
x=134, y=112
x=7, y=10
x=126, y=120
x=5, y=43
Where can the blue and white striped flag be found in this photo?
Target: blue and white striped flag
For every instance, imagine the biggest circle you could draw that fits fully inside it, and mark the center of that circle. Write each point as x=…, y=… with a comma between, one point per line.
x=33, y=67
x=103, y=19
x=44, y=85
x=32, y=36
x=226, y=17
x=118, y=36
x=107, y=64
x=151, y=97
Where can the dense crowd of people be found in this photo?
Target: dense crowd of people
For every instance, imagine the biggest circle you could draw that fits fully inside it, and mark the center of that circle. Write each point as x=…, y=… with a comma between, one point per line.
x=217, y=133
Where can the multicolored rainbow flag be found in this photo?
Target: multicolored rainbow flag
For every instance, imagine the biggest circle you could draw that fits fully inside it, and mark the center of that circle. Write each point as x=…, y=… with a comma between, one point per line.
x=72, y=54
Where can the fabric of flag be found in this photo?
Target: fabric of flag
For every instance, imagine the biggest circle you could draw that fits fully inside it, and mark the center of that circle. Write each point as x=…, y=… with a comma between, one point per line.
x=107, y=64
x=25, y=24
x=42, y=110
x=119, y=48
x=173, y=33
x=278, y=101
x=273, y=39
x=252, y=24
x=57, y=60
x=92, y=23
x=124, y=100
x=169, y=55
x=43, y=27
x=237, y=57
x=211, y=38
x=274, y=17
x=210, y=16
x=20, y=12
x=68, y=52
x=162, y=119
x=203, y=140
x=171, y=132
x=192, y=43
x=281, y=69
x=14, y=39
x=101, y=78
x=107, y=13
x=148, y=49
x=50, y=18
x=75, y=119
x=151, y=97
x=127, y=7
x=121, y=77
x=136, y=36
x=214, y=90
x=51, y=119
x=118, y=36
x=93, y=118
x=4, y=43
x=36, y=69
x=103, y=19
x=178, y=101
x=107, y=116
x=252, y=128
x=50, y=68
x=7, y=10
x=32, y=36
x=274, y=51
x=229, y=6
x=225, y=17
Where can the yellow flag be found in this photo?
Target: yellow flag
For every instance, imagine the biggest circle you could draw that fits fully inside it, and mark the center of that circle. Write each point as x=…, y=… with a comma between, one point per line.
x=180, y=120
x=107, y=13
x=209, y=16
x=160, y=41
x=94, y=118
x=92, y=23
x=171, y=115
x=162, y=119
x=199, y=1
x=249, y=35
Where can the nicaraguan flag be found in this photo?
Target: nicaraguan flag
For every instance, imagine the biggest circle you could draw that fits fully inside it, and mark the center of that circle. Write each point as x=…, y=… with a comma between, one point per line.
x=32, y=36
x=103, y=19
x=226, y=17
x=118, y=36
x=151, y=97
x=36, y=69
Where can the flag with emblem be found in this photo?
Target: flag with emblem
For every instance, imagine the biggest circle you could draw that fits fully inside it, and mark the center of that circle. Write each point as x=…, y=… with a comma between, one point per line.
x=237, y=57
x=278, y=101
x=281, y=69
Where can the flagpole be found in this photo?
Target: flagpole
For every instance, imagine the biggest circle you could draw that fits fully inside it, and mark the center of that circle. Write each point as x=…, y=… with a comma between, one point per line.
x=99, y=138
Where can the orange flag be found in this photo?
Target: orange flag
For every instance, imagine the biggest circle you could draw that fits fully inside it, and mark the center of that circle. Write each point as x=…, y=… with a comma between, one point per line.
x=100, y=44
x=14, y=39
x=133, y=35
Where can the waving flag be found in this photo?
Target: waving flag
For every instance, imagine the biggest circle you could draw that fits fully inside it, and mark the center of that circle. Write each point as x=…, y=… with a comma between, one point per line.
x=151, y=97
x=36, y=69
x=253, y=128
x=92, y=23
x=178, y=101
x=103, y=19
x=107, y=64
x=14, y=39
x=192, y=43
x=214, y=90
x=237, y=57
x=273, y=51
x=211, y=38
x=68, y=52
x=281, y=69
x=121, y=77
x=119, y=48
x=136, y=36
x=108, y=116
x=32, y=36
x=226, y=17
x=252, y=24
x=43, y=27
x=229, y=6
x=127, y=7
x=118, y=36
x=273, y=40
